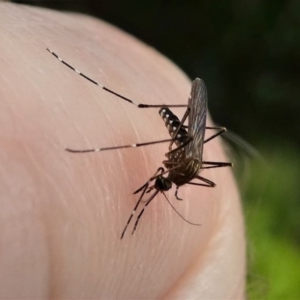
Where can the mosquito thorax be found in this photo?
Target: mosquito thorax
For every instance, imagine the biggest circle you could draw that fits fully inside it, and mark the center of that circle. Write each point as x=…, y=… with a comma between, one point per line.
x=162, y=183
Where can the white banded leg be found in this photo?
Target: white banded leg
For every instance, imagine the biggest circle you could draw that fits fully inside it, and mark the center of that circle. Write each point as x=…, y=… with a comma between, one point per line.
x=140, y=105
x=143, y=189
x=118, y=147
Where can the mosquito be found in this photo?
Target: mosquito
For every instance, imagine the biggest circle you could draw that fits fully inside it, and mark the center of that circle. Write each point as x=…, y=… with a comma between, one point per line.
x=184, y=160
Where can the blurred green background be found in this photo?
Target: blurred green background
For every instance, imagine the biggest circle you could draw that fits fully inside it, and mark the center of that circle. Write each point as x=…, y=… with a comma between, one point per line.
x=248, y=53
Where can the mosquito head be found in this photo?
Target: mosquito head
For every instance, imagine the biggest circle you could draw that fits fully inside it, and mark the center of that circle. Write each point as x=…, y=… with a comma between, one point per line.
x=162, y=183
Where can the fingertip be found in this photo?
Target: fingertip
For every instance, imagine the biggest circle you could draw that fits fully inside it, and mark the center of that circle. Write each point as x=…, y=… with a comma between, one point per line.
x=85, y=200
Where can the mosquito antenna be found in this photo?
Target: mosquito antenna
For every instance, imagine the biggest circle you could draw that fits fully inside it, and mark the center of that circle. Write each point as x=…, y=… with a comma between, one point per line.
x=142, y=211
x=140, y=105
x=178, y=212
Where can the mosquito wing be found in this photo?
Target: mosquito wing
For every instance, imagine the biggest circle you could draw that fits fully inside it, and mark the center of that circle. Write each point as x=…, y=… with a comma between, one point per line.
x=197, y=119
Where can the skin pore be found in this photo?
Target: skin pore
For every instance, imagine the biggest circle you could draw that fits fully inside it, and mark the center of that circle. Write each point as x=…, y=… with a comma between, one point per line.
x=62, y=213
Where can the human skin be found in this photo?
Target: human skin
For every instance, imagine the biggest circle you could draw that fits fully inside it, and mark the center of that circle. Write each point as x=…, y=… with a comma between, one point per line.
x=62, y=214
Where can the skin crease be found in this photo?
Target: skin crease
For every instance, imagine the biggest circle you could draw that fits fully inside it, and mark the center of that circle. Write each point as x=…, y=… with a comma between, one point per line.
x=62, y=214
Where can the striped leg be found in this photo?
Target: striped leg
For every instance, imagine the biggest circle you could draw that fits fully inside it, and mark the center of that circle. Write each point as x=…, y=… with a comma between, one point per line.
x=144, y=188
x=135, y=208
x=142, y=211
x=221, y=130
x=140, y=105
x=214, y=164
x=118, y=147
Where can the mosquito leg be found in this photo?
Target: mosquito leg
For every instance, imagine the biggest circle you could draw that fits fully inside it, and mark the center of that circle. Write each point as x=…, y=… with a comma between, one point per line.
x=135, y=208
x=167, y=171
x=118, y=147
x=168, y=162
x=180, y=147
x=149, y=189
x=160, y=171
x=208, y=183
x=186, y=114
x=176, y=193
x=140, y=105
x=142, y=211
x=216, y=164
x=221, y=130
x=215, y=127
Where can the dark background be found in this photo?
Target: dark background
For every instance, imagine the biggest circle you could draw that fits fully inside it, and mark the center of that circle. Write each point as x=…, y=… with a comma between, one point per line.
x=248, y=53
